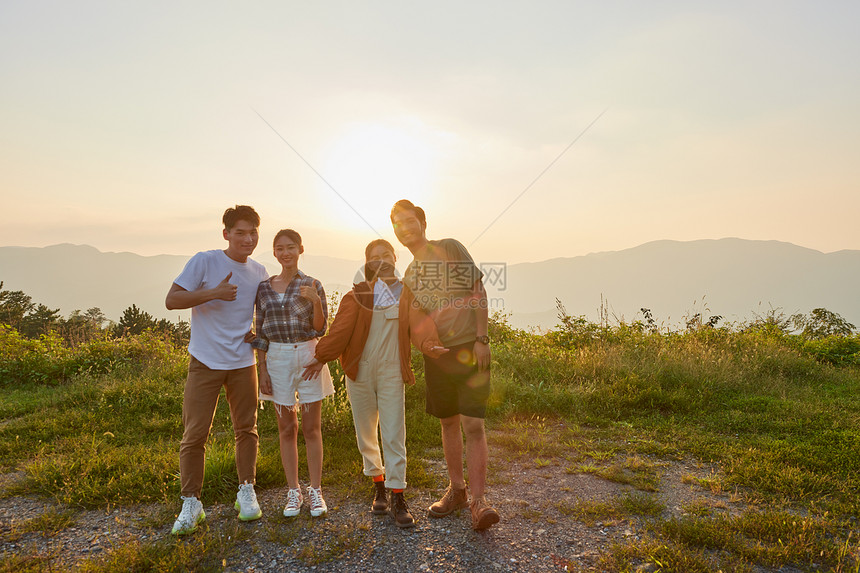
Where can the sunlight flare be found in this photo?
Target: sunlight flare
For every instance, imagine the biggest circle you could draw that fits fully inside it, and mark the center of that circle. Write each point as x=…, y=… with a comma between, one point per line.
x=372, y=165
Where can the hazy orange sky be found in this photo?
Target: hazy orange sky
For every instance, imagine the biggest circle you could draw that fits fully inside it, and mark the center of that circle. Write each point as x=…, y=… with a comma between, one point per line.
x=132, y=126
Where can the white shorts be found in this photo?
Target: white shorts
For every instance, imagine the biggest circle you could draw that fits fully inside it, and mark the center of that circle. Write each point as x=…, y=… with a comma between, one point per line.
x=285, y=363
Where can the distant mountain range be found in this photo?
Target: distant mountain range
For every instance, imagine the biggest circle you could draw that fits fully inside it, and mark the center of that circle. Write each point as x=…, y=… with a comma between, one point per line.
x=78, y=277
x=734, y=278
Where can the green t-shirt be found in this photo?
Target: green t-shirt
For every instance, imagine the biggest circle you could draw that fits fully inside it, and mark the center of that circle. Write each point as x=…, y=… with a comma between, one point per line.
x=442, y=277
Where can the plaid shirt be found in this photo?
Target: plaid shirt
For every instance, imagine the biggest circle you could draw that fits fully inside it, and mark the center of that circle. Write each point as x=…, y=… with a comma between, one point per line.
x=289, y=320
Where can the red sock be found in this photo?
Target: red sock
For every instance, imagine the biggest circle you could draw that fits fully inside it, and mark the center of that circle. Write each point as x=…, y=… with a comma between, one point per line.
x=378, y=478
x=397, y=490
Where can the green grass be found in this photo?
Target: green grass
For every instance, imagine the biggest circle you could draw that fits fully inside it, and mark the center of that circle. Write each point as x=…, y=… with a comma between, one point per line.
x=785, y=424
x=616, y=509
x=114, y=438
x=633, y=470
x=778, y=416
x=26, y=562
x=334, y=542
x=779, y=421
x=206, y=551
x=769, y=539
x=48, y=523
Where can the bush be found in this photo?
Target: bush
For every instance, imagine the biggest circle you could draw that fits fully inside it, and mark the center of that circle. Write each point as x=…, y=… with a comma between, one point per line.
x=838, y=350
x=50, y=360
x=22, y=360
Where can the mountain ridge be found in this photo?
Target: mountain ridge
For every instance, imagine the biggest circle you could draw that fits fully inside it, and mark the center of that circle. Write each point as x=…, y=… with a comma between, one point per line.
x=735, y=277
x=732, y=277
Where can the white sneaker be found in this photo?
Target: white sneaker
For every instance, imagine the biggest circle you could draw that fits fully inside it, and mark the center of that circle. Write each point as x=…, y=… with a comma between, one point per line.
x=294, y=502
x=192, y=513
x=246, y=503
x=318, y=506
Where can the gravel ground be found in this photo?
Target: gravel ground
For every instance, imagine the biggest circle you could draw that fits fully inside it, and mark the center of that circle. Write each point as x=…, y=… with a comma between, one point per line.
x=535, y=534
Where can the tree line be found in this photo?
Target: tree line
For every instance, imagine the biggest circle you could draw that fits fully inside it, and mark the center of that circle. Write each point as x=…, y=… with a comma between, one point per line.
x=32, y=320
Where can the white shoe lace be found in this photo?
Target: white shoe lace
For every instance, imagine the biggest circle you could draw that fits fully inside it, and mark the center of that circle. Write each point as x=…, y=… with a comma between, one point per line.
x=247, y=495
x=294, y=499
x=317, y=502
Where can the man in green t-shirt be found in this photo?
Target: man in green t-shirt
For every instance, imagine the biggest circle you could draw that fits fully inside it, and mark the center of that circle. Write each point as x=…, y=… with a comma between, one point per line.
x=444, y=281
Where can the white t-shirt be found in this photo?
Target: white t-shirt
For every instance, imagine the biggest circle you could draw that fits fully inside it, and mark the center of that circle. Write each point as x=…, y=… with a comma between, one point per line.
x=218, y=327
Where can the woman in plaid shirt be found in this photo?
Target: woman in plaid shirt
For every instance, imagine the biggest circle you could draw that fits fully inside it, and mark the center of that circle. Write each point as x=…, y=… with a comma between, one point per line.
x=291, y=315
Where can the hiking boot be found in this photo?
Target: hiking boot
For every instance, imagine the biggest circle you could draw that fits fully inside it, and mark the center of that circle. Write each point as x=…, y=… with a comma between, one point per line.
x=400, y=511
x=453, y=500
x=483, y=516
x=318, y=506
x=192, y=513
x=294, y=502
x=246, y=503
x=380, y=499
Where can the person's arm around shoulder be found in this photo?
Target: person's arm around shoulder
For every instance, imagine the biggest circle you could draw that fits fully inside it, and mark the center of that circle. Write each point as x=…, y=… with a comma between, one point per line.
x=179, y=298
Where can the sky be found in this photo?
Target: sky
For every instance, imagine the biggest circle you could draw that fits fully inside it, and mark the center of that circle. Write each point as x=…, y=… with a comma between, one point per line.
x=527, y=130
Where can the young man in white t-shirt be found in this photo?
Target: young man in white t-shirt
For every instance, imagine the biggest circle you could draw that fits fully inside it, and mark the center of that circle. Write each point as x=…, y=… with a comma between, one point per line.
x=219, y=287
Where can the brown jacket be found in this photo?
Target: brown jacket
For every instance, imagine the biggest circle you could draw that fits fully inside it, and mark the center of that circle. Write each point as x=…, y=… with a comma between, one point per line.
x=348, y=332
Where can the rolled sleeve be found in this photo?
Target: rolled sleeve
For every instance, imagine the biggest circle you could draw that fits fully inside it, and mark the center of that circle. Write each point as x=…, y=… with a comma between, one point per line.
x=261, y=343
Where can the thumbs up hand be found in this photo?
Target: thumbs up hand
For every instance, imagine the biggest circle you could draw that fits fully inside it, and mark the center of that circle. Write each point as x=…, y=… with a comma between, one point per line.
x=310, y=293
x=225, y=290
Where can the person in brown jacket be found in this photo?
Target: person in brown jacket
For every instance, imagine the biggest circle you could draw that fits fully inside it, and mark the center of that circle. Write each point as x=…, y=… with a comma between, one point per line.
x=371, y=335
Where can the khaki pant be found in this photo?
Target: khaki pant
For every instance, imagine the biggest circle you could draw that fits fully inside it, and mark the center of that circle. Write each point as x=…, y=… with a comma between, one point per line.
x=378, y=406
x=202, y=388
x=378, y=402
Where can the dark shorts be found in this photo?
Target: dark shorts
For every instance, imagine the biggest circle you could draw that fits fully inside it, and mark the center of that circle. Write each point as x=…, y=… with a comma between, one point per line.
x=454, y=384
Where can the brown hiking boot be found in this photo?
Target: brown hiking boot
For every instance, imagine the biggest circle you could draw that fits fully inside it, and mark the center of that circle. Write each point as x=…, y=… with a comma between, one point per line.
x=400, y=511
x=453, y=500
x=380, y=499
x=483, y=516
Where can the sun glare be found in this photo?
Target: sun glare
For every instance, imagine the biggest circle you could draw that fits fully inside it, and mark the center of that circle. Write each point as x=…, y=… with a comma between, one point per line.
x=372, y=165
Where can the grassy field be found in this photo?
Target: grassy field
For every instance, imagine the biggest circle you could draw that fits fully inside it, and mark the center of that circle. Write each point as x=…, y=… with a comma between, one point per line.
x=779, y=413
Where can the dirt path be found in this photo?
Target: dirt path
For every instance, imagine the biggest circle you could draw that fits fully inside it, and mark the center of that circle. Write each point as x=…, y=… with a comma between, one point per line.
x=538, y=531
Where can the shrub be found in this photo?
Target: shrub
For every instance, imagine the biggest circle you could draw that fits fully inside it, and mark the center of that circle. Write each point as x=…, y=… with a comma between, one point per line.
x=50, y=360
x=838, y=350
x=41, y=360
